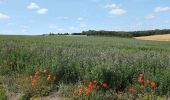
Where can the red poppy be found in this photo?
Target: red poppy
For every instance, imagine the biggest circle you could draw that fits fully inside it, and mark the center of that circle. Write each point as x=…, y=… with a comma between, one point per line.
x=140, y=75
x=104, y=84
x=46, y=71
x=131, y=89
x=153, y=84
x=90, y=86
x=54, y=78
x=94, y=81
x=37, y=73
x=80, y=90
x=147, y=81
x=90, y=82
x=142, y=87
x=87, y=91
x=140, y=80
x=48, y=78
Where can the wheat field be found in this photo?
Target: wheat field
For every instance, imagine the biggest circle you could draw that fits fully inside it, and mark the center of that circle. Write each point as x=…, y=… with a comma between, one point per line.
x=165, y=37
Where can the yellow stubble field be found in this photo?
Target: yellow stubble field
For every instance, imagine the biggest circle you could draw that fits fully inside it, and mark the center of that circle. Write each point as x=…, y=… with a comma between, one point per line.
x=165, y=37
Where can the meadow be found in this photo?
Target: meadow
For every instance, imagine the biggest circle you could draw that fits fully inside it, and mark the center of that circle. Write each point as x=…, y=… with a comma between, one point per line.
x=105, y=68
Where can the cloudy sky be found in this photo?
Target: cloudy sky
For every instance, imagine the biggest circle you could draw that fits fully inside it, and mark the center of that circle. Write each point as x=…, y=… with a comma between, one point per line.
x=43, y=16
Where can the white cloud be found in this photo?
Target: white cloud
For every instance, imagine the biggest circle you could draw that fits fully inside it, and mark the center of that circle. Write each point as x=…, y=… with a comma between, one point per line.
x=115, y=10
x=150, y=16
x=42, y=11
x=4, y=16
x=72, y=28
x=33, y=5
x=112, y=6
x=161, y=9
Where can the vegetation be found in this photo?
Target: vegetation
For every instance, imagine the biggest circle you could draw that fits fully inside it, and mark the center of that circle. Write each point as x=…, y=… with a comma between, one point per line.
x=40, y=65
x=124, y=33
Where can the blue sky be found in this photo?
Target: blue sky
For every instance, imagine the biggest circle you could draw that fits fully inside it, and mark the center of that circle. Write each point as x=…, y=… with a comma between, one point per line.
x=32, y=17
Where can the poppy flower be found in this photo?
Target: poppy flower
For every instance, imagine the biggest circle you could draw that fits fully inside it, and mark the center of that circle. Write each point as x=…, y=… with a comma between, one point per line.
x=87, y=91
x=140, y=80
x=153, y=84
x=46, y=71
x=48, y=78
x=131, y=89
x=41, y=71
x=140, y=75
x=90, y=86
x=147, y=81
x=80, y=90
x=37, y=73
x=104, y=85
x=142, y=87
x=90, y=82
x=94, y=81
x=54, y=78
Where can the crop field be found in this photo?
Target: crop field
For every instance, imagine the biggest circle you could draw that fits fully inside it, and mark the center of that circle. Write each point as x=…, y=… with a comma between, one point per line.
x=165, y=37
x=84, y=68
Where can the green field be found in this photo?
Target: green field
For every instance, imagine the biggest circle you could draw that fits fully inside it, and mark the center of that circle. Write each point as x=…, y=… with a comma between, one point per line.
x=79, y=60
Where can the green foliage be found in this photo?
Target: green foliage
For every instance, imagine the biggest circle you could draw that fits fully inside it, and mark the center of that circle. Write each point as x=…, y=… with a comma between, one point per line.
x=82, y=59
x=123, y=33
x=2, y=93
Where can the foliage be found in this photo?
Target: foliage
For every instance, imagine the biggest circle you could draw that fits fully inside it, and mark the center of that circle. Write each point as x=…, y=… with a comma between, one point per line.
x=110, y=60
x=124, y=33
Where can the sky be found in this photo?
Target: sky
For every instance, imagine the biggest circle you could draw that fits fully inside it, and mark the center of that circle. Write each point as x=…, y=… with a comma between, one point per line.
x=34, y=17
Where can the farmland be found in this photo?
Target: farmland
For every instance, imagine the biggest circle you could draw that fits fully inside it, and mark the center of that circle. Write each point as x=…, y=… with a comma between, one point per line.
x=156, y=37
x=113, y=63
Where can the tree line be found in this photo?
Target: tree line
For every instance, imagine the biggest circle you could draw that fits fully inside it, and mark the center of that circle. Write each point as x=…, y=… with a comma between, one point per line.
x=118, y=33
x=124, y=33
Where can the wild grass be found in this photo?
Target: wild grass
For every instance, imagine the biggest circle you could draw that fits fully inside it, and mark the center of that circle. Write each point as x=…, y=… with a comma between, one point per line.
x=82, y=59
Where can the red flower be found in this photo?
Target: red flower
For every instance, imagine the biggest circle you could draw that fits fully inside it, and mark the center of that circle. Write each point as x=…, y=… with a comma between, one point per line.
x=104, y=84
x=94, y=81
x=142, y=87
x=37, y=73
x=90, y=86
x=41, y=71
x=140, y=80
x=153, y=84
x=147, y=81
x=90, y=83
x=48, y=78
x=46, y=71
x=131, y=89
x=54, y=78
x=87, y=91
x=140, y=75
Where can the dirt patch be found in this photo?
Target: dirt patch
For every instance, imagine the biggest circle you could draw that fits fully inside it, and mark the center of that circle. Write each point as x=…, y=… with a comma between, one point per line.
x=13, y=95
x=165, y=37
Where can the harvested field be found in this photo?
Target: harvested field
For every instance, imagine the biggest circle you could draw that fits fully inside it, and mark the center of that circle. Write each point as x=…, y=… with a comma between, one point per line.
x=165, y=37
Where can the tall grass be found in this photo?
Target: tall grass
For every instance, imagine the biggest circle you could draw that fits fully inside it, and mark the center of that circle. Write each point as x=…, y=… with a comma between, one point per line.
x=82, y=59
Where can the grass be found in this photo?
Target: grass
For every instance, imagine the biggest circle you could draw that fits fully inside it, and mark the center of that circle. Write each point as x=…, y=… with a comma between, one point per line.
x=78, y=60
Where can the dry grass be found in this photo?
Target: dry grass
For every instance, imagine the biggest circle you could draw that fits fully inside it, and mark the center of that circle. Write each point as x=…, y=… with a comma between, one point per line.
x=165, y=37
